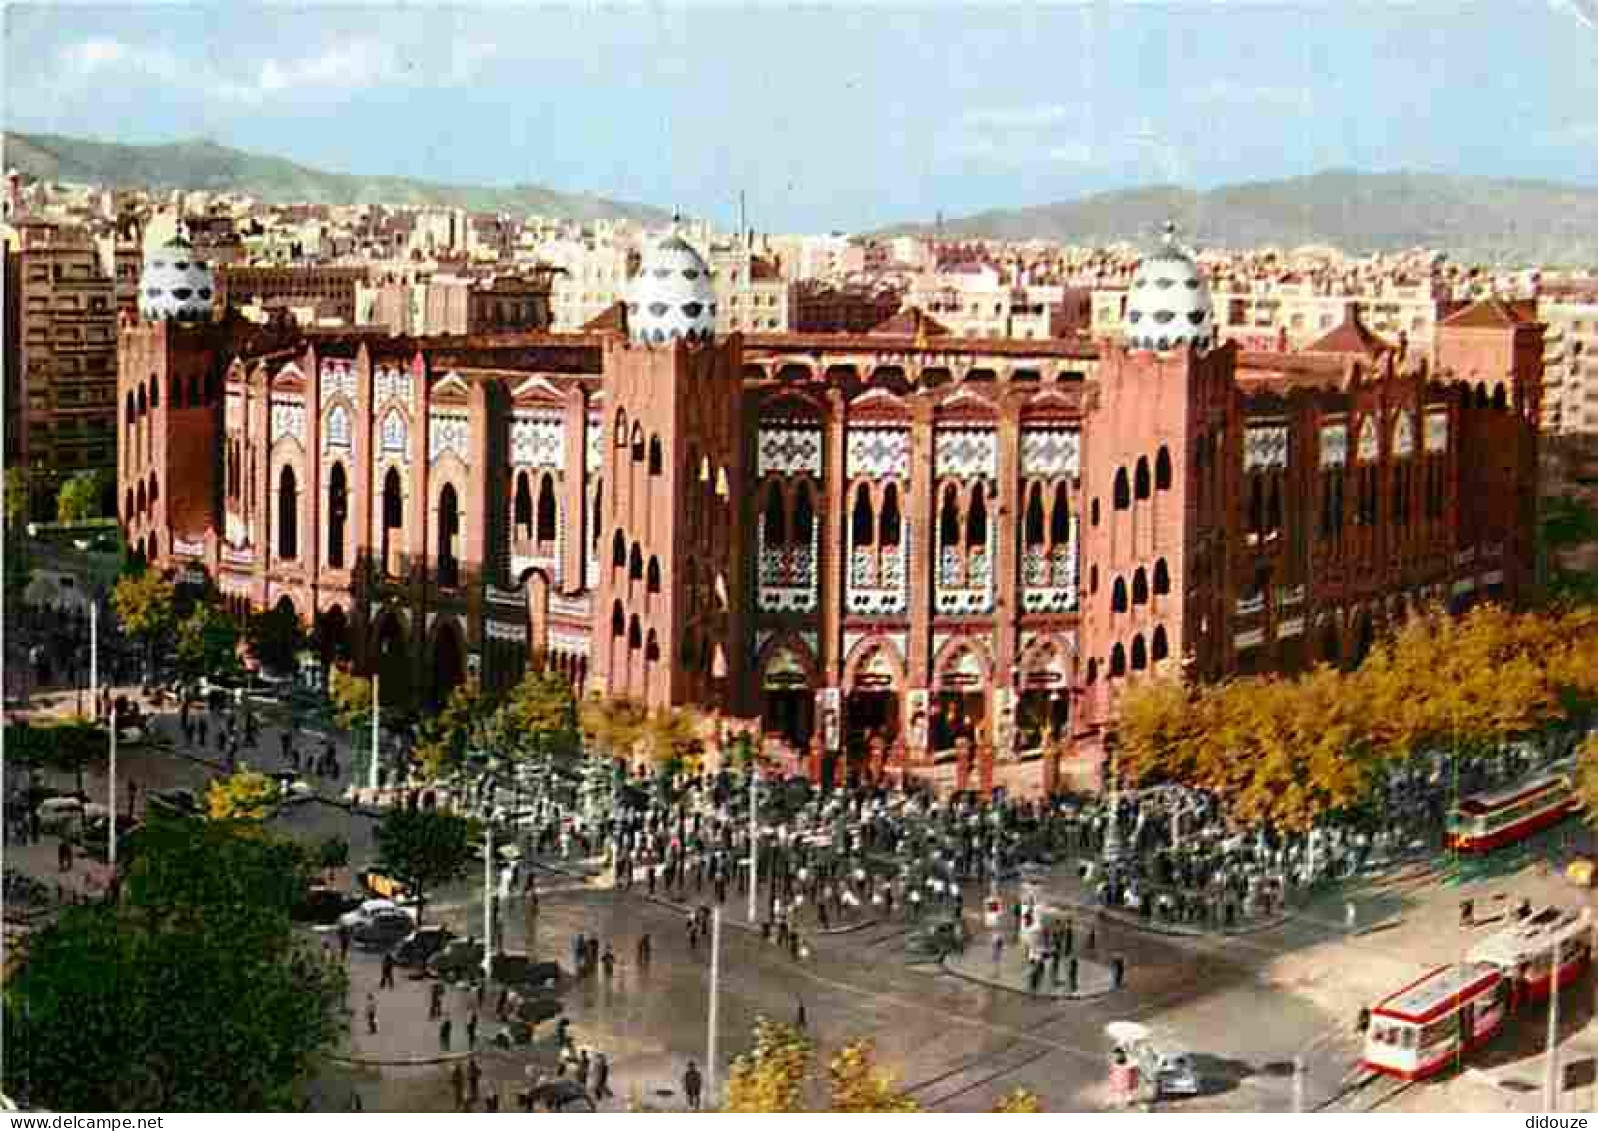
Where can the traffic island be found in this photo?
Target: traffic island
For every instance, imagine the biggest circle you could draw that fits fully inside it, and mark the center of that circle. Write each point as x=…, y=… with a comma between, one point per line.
x=1014, y=973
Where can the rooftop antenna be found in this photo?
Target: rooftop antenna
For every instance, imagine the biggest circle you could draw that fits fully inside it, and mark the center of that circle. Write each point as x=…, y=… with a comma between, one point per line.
x=743, y=220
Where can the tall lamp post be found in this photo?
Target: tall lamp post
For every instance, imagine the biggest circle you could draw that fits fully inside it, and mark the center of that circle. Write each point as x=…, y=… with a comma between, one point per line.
x=1113, y=848
x=754, y=839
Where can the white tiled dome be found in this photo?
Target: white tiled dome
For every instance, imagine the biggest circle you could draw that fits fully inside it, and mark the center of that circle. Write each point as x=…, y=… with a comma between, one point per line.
x=671, y=297
x=174, y=284
x=1169, y=304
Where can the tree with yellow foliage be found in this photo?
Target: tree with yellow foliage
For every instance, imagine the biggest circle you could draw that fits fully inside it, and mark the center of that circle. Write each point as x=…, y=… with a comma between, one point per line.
x=772, y=1076
x=857, y=1086
x=1019, y=1102
x=247, y=795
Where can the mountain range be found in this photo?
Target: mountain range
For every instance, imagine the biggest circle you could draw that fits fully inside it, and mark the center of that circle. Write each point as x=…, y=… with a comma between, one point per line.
x=217, y=168
x=1475, y=219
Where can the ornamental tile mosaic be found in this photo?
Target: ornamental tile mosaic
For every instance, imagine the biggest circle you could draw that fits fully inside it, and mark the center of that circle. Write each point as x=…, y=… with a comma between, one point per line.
x=338, y=379
x=965, y=580
x=1437, y=431
x=448, y=433
x=288, y=420
x=786, y=581
x=1050, y=452
x=878, y=453
x=966, y=453
x=1048, y=579
x=788, y=451
x=1404, y=434
x=1369, y=446
x=878, y=585
x=514, y=633
x=394, y=383
x=1265, y=447
x=538, y=442
x=338, y=429
x=1334, y=445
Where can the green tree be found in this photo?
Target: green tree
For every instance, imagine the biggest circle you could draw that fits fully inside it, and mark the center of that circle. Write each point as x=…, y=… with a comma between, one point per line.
x=143, y=603
x=207, y=644
x=274, y=636
x=351, y=695
x=17, y=496
x=193, y=994
x=244, y=795
x=447, y=736
x=423, y=848
x=79, y=497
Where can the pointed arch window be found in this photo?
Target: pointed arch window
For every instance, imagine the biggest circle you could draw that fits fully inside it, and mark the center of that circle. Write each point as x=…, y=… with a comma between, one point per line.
x=288, y=515
x=448, y=561
x=1140, y=587
x=1060, y=516
x=638, y=443
x=393, y=520
x=548, y=517
x=976, y=523
x=1123, y=489
x=1162, y=578
x=618, y=552
x=775, y=528
x=522, y=517
x=635, y=564
x=1161, y=648
x=1162, y=469
x=890, y=516
x=1033, y=529
x=1140, y=655
x=652, y=576
x=804, y=516
x=337, y=515
x=1118, y=596
x=949, y=518
x=1117, y=661
x=1142, y=479
x=656, y=461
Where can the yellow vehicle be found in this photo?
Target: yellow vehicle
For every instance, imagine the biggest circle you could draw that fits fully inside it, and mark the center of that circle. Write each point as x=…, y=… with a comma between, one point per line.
x=1582, y=871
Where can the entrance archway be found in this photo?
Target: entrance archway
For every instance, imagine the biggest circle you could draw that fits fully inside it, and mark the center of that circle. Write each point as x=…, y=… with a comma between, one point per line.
x=871, y=707
x=449, y=663
x=393, y=662
x=960, y=701
x=787, y=699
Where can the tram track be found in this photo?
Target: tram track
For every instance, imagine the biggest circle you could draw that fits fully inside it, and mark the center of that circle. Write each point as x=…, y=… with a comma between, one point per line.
x=1366, y=1093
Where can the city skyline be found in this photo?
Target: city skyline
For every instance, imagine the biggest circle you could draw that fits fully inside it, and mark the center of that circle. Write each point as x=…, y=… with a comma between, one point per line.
x=896, y=124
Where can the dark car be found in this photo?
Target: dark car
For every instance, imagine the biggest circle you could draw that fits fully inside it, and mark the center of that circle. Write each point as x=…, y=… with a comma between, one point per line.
x=323, y=905
x=520, y=970
x=173, y=802
x=461, y=960
x=383, y=929
x=936, y=939
x=416, y=948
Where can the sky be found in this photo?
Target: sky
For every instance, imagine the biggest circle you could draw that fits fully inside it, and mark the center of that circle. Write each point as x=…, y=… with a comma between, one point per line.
x=831, y=118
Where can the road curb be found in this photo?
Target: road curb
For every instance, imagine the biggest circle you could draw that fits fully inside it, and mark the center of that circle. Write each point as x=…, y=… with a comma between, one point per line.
x=943, y=964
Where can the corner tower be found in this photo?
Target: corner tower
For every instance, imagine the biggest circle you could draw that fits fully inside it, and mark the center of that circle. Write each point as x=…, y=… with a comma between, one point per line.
x=670, y=622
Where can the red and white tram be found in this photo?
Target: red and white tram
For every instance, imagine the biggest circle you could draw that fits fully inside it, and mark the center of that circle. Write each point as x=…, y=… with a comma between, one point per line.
x=1429, y=1024
x=1485, y=821
x=1525, y=951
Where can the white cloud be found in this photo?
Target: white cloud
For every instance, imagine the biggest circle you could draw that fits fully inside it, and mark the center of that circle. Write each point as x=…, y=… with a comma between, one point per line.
x=1015, y=117
x=1584, y=10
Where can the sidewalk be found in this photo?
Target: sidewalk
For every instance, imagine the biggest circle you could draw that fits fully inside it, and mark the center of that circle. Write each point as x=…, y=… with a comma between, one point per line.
x=1010, y=972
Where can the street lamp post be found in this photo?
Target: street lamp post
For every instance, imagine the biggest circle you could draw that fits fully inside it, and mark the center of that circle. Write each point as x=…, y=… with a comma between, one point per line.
x=754, y=843
x=1113, y=848
x=488, y=902
x=711, y=1054
x=1551, y=1099
x=372, y=779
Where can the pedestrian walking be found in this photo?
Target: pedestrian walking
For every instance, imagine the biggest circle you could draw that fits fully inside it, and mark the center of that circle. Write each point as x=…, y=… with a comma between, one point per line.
x=63, y=856
x=584, y=1066
x=607, y=962
x=435, y=1004
x=386, y=981
x=692, y=1083
x=444, y=1030
x=474, y=1080
x=602, y=1077
x=1071, y=975
x=471, y=1030
x=343, y=942
x=371, y=1014
x=457, y=1083
x=799, y=1017
x=643, y=950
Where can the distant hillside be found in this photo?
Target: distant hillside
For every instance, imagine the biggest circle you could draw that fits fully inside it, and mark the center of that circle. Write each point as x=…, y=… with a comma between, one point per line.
x=1472, y=218
x=206, y=165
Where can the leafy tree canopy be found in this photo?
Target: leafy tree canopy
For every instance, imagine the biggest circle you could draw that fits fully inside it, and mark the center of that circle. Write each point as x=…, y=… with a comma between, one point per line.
x=424, y=848
x=143, y=603
x=246, y=795
x=79, y=497
x=207, y=644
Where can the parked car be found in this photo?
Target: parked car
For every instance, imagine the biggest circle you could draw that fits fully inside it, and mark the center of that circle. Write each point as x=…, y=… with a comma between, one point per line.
x=461, y=960
x=367, y=910
x=60, y=812
x=324, y=905
x=384, y=928
x=420, y=945
x=935, y=939
x=173, y=802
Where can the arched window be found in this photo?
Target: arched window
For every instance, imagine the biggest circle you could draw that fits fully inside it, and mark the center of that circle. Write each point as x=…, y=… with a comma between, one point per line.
x=1142, y=477
x=1162, y=469
x=127, y=508
x=1273, y=506
x=1123, y=490
x=1162, y=578
x=652, y=649
x=1256, y=504
x=1093, y=671
x=522, y=512
x=143, y=404
x=804, y=516
x=1161, y=648
x=195, y=397
x=1117, y=661
x=1140, y=587
x=155, y=392
x=861, y=527
x=652, y=576
x=449, y=528
x=288, y=515
x=1118, y=596
x=175, y=392
x=1093, y=515
x=393, y=518
x=655, y=458
x=546, y=509
x=1034, y=516
x=1140, y=655
x=635, y=564
x=618, y=551
x=890, y=515
x=618, y=620
x=144, y=499
x=1500, y=397
x=635, y=636
x=949, y=518
x=1093, y=579
x=155, y=489
x=621, y=428
x=638, y=443
x=1060, y=516
x=776, y=524
x=599, y=498
x=976, y=522
x=337, y=513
